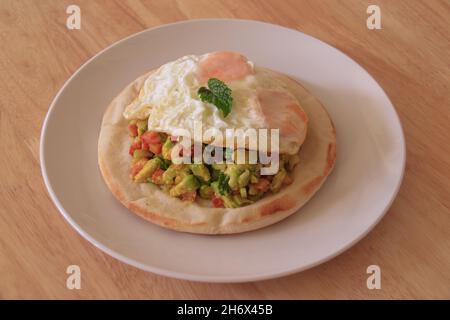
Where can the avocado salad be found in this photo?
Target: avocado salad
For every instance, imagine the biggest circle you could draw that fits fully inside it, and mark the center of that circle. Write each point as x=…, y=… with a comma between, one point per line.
x=225, y=185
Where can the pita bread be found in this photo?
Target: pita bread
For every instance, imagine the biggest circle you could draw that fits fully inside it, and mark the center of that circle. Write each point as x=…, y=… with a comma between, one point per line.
x=317, y=158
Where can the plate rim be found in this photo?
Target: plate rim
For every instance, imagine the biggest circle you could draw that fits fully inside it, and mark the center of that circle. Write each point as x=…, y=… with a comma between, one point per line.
x=193, y=276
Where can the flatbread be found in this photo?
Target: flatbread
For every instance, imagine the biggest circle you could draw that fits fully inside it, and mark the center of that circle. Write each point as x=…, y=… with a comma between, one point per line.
x=317, y=158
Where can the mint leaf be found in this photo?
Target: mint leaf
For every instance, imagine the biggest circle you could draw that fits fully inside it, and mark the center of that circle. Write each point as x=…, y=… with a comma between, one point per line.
x=206, y=95
x=218, y=94
x=222, y=94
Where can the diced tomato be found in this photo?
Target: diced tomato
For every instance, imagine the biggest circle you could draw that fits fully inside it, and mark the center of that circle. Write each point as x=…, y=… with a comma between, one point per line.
x=137, y=167
x=157, y=176
x=133, y=129
x=134, y=146
x=156, y=148
x=151, y=137
x=217, y=202
x=189, y=196
x=262, y=185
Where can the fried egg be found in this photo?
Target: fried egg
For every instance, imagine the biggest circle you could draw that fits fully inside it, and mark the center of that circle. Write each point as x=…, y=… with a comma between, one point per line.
x=169, y=99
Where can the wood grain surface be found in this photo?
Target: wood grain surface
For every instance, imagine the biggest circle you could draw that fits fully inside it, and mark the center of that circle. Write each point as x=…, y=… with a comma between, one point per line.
x=409, y=57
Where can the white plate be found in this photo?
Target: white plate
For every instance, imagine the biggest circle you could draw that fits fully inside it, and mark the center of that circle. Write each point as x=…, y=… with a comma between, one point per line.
x=366, y=178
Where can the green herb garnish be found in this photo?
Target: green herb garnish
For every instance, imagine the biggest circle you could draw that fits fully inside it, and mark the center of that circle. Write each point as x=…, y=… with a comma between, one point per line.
x=164, y=163
x=218, y=94
x=223, y=186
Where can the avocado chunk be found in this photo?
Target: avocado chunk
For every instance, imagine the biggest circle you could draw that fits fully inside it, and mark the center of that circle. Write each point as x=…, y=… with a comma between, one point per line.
x=254, y=179
x=229, y=202
x=215, y=187
x=149, y=168
x=253, y=191
x=167, y=149
x=240, y=201
x=243, y=192
x=188, y=183
x=174, y=171
x=234, y=171
x=201, y=171
x=277, y=180
x=244, y=178
x=235, y=201
x=206, y=192
x=255, y=171
x=140, y=154
x=141, y=126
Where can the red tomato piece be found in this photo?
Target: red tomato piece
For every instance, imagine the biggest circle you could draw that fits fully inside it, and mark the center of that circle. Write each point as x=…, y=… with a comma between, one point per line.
x=155, y=148
x=134, y=146
x=157, y=176
x=189, y=196
x=262, y=185
x=133, y=129
x=151, y=137
x=137, y=167
x=217, y=202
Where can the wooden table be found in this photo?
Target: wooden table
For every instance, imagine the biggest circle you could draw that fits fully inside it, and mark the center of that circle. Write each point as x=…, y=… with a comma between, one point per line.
x=409, y=57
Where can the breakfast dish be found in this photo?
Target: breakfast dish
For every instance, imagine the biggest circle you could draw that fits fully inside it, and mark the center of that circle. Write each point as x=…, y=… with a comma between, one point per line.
x=140, y=139
x=365, y=179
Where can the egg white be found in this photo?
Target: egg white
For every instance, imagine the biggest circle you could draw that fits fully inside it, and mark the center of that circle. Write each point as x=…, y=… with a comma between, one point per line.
x=170, y=101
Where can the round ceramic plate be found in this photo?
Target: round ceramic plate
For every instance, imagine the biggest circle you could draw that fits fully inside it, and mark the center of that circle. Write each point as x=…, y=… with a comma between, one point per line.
x=368, y=172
